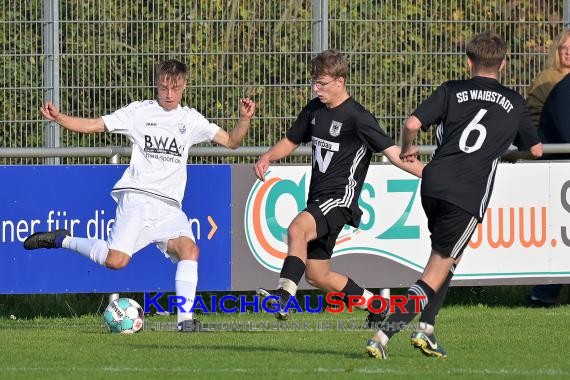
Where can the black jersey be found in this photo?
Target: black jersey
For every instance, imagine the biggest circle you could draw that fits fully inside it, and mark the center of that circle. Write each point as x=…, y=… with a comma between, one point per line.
x=554, y=126
x=477, y=120
x=343, y=139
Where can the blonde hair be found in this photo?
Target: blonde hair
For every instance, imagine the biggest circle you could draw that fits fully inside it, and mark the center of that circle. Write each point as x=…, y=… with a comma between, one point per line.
x=553, y=60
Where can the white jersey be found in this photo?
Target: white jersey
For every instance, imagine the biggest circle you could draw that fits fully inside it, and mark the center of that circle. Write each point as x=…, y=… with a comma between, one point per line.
x=161, y=140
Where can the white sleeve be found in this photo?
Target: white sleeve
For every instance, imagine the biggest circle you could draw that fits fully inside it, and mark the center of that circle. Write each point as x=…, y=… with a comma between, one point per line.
x=202, y=129
x=122, y=120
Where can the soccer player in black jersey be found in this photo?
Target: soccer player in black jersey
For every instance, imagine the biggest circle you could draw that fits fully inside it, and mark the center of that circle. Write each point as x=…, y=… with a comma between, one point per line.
x=477, y=120
x=344, y=136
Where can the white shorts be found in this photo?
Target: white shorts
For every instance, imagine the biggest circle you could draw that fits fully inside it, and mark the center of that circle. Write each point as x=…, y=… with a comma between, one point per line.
x=143, y=219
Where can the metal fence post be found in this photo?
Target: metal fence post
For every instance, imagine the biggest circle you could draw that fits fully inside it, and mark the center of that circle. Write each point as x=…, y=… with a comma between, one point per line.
x=114, y=159
x=51, y=72
x=566, y=16
x=320, y=37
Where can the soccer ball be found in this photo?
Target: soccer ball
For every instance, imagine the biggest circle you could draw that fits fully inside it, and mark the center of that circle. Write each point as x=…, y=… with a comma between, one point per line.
x=124, y=316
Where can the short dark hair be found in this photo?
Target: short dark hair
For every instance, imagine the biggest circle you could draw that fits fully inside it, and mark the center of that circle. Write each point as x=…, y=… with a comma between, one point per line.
x=330, y=62
x=487, y=50
x=171, y=69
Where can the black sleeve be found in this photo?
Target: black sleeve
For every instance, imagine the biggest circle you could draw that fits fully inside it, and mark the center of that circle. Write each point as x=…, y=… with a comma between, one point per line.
x=432, y=110
x=559, y=102
x=545, y=126
x=527, y=135
x=371, y=134
x=300, y=131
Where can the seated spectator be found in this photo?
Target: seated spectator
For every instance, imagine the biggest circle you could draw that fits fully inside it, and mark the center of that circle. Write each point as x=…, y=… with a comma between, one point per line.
x=557, y=66
x=554, y=125
x=548, y=100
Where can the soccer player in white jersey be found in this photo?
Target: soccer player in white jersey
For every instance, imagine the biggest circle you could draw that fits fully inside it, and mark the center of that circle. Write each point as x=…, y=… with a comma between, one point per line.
x=477, y=120
x=149, y=194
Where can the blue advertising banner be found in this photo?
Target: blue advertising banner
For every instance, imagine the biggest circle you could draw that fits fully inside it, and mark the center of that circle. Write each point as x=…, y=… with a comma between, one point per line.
x=40, y=198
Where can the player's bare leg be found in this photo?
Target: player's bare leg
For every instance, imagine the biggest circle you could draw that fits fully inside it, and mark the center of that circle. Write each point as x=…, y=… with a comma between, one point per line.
x=319, y=275
x=301, y=231
x=424, y=336
x=433, y=277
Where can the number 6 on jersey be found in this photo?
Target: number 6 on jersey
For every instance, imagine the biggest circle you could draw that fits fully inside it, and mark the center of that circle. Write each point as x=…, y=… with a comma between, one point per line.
x=473, y=126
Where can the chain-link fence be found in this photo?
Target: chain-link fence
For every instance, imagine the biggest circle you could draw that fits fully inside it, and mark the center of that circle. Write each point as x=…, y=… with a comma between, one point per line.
x=93, y=56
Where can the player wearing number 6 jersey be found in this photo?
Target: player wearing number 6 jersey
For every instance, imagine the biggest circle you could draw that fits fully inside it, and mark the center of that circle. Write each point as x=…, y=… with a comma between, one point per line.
x=344, y=136
x=477, y=120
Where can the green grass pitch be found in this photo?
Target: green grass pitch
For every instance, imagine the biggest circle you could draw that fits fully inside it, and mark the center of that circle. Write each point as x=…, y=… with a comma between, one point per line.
x=482, y=342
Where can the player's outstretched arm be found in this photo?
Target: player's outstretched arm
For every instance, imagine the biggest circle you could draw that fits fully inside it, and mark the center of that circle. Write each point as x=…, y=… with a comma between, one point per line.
x=234, y=138
x=536, y=151
x=410, y=130
x=414, y=167
x=75, y=124
x=278, y=151
x=533, y=153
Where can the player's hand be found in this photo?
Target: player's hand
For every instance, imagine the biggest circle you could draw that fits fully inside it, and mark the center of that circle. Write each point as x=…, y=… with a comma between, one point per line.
x=410, y=154
x=261, y=167
x=247, y=108
x=50, y=111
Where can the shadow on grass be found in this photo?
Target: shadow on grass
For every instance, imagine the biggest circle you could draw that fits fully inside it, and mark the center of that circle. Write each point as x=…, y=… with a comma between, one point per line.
x=248, y=349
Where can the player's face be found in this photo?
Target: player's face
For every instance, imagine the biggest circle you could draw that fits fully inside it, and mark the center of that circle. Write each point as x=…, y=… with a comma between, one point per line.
x=564, y=54
x=170, y=91
x=328, y=88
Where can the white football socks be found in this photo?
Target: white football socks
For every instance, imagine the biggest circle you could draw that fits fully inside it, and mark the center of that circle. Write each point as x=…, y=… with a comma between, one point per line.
x=367, y=294
x=288, y=285
x=94, y=249
x=383, y=337
x=425, y=327
x=186, y=281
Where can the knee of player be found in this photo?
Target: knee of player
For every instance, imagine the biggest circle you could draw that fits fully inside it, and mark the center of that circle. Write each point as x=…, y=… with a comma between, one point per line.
x=117, y=262
x=190, y=252
x=296, y=233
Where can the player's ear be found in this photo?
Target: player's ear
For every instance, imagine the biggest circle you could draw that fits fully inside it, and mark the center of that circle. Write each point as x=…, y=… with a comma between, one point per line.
x=502, y=66
x=470, y=64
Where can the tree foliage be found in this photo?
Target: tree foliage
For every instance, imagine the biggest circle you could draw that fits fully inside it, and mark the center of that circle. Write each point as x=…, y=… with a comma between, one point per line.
x=399, y=52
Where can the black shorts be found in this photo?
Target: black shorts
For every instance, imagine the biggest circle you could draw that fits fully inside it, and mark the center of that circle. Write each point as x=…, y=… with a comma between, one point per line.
x=330, y=221
x=450, y=226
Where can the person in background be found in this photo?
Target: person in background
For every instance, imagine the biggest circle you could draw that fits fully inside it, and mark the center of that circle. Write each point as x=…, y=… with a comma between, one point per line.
x=551, y=129
x=557, y=66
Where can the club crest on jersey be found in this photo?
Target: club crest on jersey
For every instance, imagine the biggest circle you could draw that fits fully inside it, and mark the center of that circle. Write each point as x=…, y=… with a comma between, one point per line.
x=181, y=128
x=335, y=128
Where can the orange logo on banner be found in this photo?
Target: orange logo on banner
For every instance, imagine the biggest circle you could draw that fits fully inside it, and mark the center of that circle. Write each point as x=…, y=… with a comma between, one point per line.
x=257, y=220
